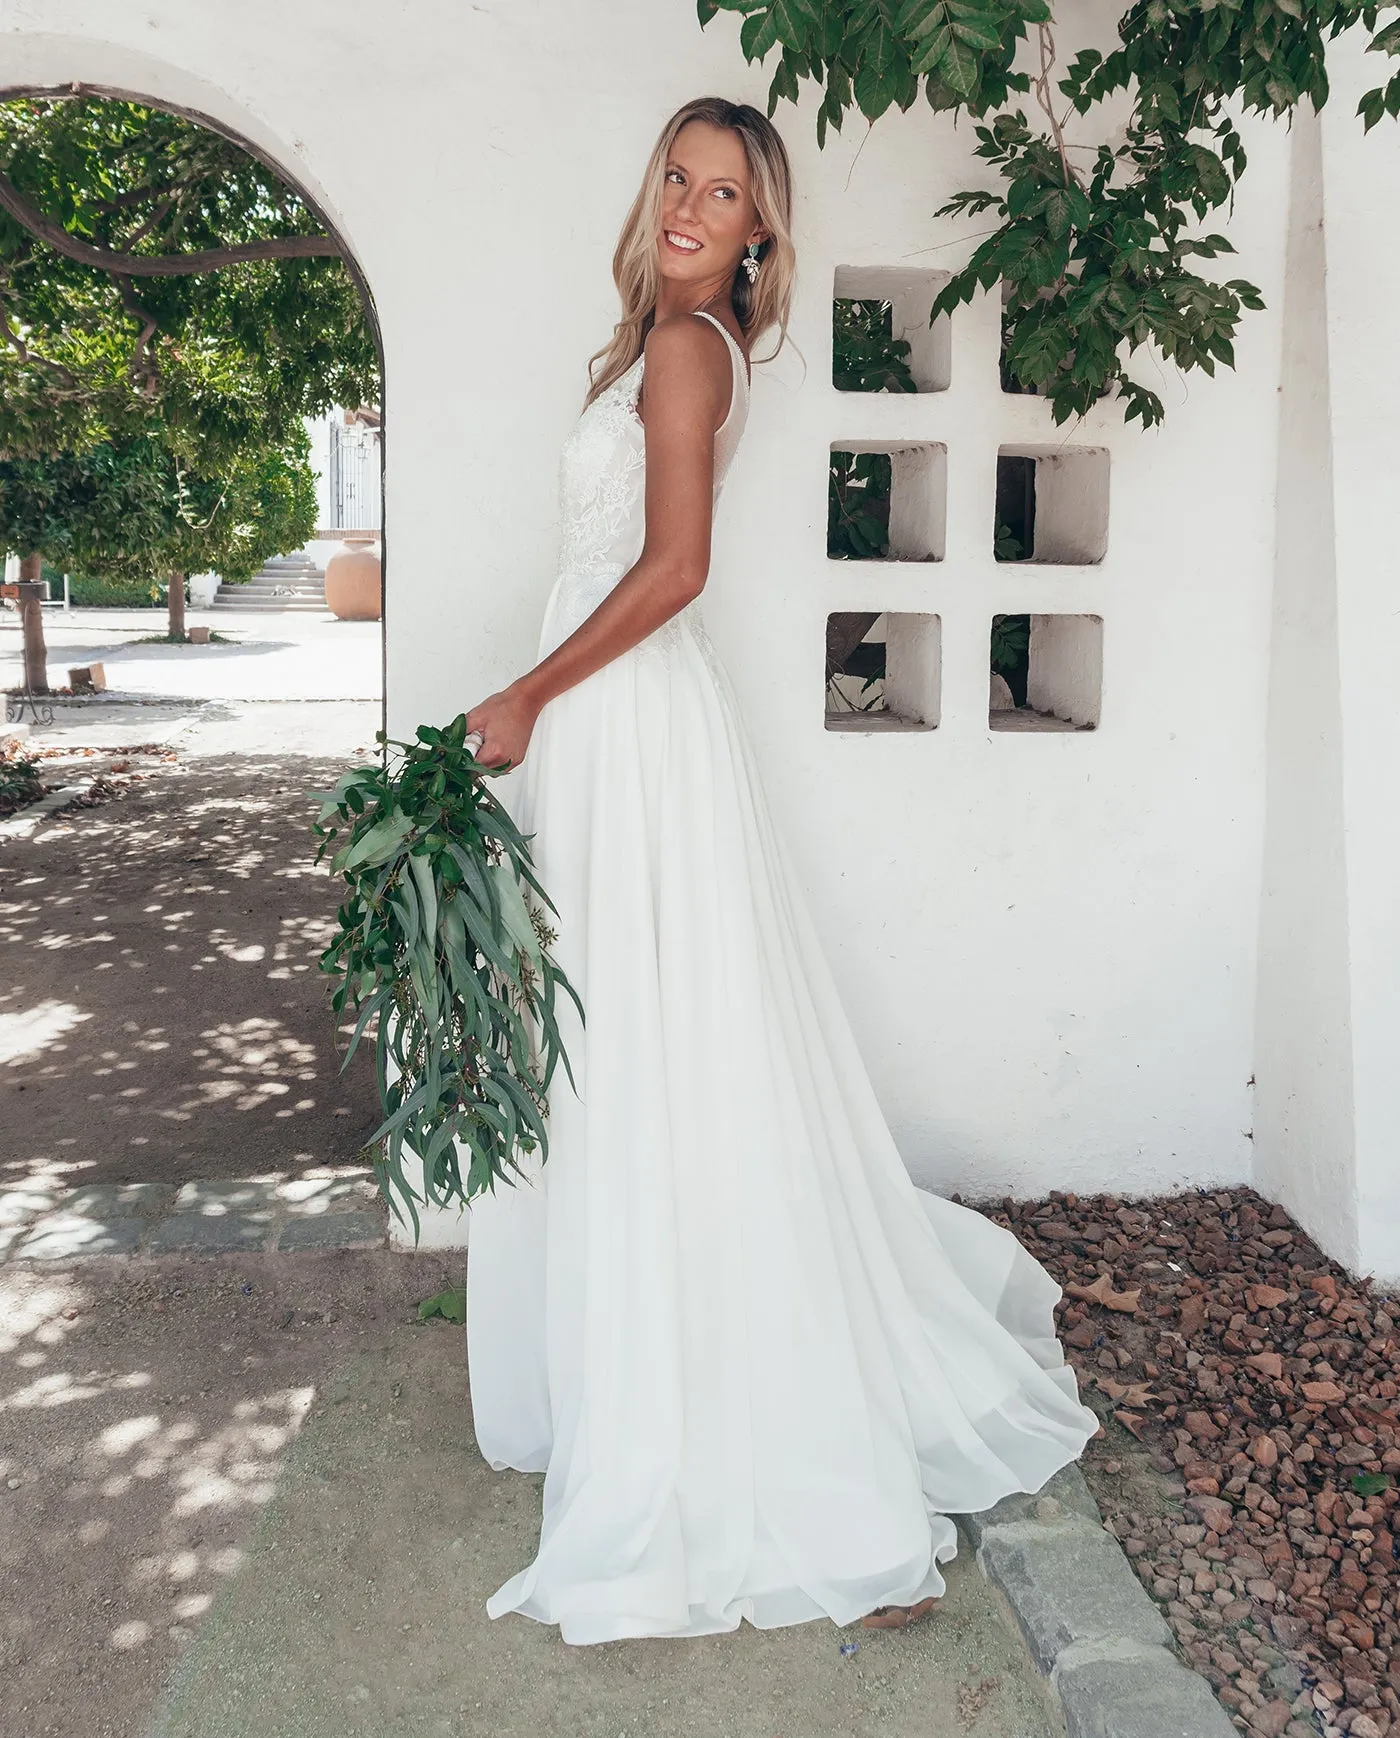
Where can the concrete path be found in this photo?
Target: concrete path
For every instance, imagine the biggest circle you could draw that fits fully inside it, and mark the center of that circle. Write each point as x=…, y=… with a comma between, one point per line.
x=274, y=656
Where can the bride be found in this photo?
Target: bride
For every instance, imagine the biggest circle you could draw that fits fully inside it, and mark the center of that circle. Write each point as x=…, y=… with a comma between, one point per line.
x=759, y=1368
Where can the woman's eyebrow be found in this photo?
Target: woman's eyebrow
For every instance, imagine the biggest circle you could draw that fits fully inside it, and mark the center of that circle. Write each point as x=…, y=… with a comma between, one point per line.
x=728, y=180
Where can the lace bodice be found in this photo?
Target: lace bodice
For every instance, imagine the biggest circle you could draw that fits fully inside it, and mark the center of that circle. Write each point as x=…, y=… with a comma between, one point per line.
x=602, y=484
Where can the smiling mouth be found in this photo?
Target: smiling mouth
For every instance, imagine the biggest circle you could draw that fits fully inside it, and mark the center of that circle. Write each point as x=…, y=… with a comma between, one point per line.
x=682, y=243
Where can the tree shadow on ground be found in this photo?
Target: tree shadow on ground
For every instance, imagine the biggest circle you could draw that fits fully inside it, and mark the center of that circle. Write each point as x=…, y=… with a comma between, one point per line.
x=164, y=1018
x=147, y=1418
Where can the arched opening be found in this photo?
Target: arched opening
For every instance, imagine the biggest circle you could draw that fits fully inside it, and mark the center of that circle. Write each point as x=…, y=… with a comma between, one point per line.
x=165, y=1032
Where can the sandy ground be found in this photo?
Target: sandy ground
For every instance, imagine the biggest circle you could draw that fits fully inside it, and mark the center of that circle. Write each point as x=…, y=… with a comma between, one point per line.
x=148, y=1409
x=249, y=1505
x=162, y=1017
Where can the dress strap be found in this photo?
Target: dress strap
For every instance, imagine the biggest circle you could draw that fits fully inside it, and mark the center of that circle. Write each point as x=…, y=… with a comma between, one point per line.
x=715, y=320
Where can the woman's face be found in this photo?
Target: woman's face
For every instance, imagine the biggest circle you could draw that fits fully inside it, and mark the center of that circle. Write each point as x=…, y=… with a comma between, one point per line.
x=708, y=216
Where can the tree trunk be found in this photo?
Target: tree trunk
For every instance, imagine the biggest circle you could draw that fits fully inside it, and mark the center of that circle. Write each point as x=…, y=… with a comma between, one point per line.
x=31, y=621
x=177, y=606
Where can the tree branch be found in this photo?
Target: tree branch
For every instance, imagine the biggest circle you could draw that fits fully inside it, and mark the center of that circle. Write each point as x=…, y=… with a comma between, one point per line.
x=1041, y=86
x=135, y=265
x=22, y=350
x=142, y=366
x=158, y=216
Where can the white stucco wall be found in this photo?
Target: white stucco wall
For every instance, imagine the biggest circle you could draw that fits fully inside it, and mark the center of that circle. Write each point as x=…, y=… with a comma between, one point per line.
x=1049, y=941
x=1329, y=987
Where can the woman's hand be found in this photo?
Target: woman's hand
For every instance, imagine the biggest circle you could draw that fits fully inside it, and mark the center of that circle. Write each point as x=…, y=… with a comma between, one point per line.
x=506, y=722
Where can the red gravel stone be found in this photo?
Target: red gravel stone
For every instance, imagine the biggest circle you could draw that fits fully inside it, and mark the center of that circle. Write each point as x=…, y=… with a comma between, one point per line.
x=1250, y=1391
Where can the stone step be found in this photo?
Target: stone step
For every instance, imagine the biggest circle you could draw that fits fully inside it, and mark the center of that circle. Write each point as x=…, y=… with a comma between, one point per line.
x=275, y=588
x=265, y=605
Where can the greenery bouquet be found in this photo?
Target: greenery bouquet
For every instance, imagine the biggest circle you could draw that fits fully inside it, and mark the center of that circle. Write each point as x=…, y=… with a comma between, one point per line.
x=443, y=936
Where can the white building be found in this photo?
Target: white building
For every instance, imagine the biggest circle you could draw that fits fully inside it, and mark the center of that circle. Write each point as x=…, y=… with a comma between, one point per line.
x=1160, y=953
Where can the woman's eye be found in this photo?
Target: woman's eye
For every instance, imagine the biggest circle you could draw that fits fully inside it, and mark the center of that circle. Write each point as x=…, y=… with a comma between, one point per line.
x=725, y=192
x=674, y=175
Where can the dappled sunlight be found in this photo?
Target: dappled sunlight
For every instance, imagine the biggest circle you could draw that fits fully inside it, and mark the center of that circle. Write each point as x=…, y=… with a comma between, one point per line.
x=153, y=1413
x=165, y=1016
x=30, y=1032
x=118, y=1460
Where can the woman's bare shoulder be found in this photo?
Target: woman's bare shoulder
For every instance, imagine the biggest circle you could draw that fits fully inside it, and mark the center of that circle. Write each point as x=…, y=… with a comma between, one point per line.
x=689, y=352
x=688, y=341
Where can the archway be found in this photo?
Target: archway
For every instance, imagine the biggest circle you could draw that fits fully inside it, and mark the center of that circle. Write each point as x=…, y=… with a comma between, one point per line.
x=198, y=994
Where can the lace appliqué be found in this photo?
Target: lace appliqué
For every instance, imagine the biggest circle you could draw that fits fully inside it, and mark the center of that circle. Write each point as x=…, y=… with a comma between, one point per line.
x=601, y=473
x=602, y=476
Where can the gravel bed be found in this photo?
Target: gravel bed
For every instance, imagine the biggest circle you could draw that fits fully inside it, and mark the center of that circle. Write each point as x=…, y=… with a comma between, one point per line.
x=1251, y=1451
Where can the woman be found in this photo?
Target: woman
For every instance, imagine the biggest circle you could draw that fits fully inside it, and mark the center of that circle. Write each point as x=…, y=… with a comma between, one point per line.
x=759, y=1368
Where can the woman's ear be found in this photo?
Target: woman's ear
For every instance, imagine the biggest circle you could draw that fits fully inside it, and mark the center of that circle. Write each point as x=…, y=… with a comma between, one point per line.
x=759, y=234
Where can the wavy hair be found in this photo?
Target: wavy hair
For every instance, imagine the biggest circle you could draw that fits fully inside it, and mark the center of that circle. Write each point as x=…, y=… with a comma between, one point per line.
x=759, y=306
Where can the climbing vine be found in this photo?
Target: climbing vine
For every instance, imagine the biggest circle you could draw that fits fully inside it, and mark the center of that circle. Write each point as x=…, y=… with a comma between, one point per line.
x=1094, y=246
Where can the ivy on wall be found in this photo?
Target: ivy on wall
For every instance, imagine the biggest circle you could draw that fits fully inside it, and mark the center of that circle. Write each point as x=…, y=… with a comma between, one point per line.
x=1095, y=246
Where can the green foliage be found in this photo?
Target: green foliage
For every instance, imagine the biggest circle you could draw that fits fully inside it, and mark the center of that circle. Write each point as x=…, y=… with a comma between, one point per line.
x=865, y=356
x=86, y=591
x=1098, y=260
x=224, y=358
x=858, y=506
x=450, y=1305
x=20, y=783
x=1011, y=638
x=169, y=639
x=440, y=940
x=871, y=55
x=129, y=514
x=1006, y=545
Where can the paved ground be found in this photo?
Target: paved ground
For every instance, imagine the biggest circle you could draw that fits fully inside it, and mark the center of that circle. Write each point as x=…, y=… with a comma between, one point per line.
x=276, y=656
x=240, y=1498
x=162, y=1018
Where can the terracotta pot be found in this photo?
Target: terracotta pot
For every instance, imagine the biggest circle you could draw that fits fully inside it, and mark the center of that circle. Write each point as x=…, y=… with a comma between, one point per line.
x=353, y=582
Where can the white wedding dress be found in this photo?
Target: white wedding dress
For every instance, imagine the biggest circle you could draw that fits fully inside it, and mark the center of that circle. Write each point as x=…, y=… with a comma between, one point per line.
x=759, y=1367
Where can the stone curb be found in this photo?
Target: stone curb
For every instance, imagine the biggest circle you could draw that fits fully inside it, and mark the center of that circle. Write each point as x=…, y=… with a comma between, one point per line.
x=1091, y=1626
x=315, y=1210
x=26, y=820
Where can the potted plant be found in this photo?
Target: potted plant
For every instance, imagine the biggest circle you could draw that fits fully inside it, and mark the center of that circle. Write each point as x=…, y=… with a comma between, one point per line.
x=443, y=939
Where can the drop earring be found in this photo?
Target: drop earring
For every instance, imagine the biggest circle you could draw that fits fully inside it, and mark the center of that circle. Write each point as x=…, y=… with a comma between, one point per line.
x=750, y=262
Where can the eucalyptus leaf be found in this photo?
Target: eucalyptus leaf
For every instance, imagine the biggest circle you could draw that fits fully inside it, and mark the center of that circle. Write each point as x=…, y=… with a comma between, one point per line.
x=439, y=949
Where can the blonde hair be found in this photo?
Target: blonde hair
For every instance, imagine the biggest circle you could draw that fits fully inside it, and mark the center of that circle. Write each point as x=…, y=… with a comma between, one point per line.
x=759, y=306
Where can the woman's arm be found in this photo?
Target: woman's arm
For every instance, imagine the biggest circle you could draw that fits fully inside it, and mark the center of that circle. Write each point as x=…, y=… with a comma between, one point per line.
x=686, y=387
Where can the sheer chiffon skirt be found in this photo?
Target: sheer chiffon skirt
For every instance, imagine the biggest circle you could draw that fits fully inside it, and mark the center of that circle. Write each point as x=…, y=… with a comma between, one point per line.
x=759, y=1368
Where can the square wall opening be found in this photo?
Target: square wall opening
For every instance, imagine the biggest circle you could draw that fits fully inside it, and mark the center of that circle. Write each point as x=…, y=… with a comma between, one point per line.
x=883, y=672
x=887, y=501
x=1051, y=505
x=1061, y=673
x=882, y=340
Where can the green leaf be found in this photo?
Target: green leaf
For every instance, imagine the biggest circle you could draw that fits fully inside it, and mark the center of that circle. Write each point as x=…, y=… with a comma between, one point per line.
x=758, y=34
x=376, y=845
x=932, y=49
x=961, y=69
x=978, y=31
x=450, y=1305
